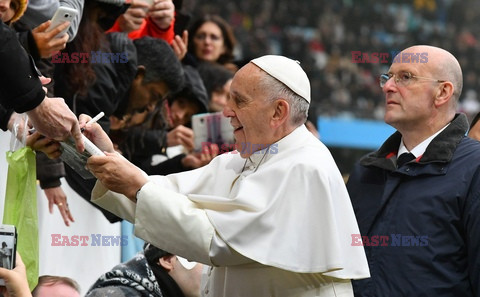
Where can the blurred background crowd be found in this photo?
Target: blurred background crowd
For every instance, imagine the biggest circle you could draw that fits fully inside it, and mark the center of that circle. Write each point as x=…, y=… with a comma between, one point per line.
x=149, y=99
x=322, y=35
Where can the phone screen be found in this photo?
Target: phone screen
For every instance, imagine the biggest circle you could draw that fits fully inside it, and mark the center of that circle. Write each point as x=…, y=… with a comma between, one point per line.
x=7, y=246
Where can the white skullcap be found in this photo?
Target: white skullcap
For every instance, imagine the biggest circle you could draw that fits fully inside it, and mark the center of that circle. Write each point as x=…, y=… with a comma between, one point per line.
x=287, y=71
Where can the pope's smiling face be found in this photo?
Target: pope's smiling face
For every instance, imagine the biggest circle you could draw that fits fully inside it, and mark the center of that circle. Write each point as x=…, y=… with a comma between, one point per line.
x=249, y=111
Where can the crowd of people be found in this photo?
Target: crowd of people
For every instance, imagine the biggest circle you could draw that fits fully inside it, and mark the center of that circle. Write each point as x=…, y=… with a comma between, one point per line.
x=272, y=217
x=323, y=34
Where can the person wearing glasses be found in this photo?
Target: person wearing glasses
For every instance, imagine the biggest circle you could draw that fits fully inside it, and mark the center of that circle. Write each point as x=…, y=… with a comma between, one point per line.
x=211, y=40
x=418, y=216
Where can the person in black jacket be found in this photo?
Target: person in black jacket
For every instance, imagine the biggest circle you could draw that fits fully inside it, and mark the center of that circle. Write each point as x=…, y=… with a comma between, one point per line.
x=21, y=91
x=116, y=87
x=419, y=219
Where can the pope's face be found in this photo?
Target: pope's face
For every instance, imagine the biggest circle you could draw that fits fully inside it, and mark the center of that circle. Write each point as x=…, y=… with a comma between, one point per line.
x=249, y=111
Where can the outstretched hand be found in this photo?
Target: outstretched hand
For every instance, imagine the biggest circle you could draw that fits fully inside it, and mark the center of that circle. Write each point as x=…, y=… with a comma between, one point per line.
x=54, y=119
x=56, y=196
x=117, y=174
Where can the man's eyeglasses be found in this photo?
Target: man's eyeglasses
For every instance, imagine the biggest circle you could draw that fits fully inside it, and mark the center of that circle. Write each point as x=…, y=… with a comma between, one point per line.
x=404, y=78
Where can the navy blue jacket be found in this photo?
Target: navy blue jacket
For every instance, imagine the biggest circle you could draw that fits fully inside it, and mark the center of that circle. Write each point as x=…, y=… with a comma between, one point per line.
x=428, y=212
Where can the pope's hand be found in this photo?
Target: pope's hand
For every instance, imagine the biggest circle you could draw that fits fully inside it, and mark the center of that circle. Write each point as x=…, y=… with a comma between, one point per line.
x=117, y=174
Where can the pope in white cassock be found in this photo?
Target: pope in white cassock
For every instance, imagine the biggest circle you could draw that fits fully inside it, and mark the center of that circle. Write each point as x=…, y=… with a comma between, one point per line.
x=271, y=219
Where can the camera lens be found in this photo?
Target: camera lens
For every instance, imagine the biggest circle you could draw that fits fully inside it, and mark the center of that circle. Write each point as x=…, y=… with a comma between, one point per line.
x=67, y=15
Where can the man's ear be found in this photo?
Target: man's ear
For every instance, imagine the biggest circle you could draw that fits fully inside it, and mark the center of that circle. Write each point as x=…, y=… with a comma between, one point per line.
x=140, y=72
x=167, y=262
x=280, y=113
x=444, y=93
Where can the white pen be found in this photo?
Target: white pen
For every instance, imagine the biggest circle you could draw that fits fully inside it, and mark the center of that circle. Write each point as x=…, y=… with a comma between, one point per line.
x=94, y=120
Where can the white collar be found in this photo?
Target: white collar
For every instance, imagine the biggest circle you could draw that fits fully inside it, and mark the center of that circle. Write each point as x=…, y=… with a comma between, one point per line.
x=281, y=145
x=420, y=148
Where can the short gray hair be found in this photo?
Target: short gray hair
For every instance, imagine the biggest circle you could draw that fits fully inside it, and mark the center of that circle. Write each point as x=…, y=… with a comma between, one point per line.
x=298, y=105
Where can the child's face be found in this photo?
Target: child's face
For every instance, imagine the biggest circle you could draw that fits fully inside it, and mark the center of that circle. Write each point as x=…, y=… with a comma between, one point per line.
x=181, y=111
x=6, y=11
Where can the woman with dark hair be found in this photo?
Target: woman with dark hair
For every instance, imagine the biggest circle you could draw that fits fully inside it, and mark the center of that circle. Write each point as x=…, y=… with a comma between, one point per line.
x=211, y=39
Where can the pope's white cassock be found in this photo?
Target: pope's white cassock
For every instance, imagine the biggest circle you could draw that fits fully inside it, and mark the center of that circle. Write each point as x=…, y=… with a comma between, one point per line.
x=279, y=224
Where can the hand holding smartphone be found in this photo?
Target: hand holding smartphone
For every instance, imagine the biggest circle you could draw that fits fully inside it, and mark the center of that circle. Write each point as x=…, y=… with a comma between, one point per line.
x=8, y=247
x=63, y=14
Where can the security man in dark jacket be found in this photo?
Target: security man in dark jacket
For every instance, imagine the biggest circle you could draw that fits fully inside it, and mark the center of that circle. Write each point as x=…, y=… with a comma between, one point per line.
x=419, y=220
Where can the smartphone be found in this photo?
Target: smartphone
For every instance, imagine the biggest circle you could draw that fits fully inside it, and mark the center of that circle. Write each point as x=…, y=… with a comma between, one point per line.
x=182, y=21
x=212, y=128
x=63, y=14
x=8, y=247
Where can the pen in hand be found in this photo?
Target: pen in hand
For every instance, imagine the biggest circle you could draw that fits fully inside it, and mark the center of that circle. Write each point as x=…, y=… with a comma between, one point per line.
x=93, y=120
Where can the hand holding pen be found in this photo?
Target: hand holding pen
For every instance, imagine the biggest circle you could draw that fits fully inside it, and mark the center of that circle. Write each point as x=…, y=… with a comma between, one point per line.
x=93, y=120
x=95, y=133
